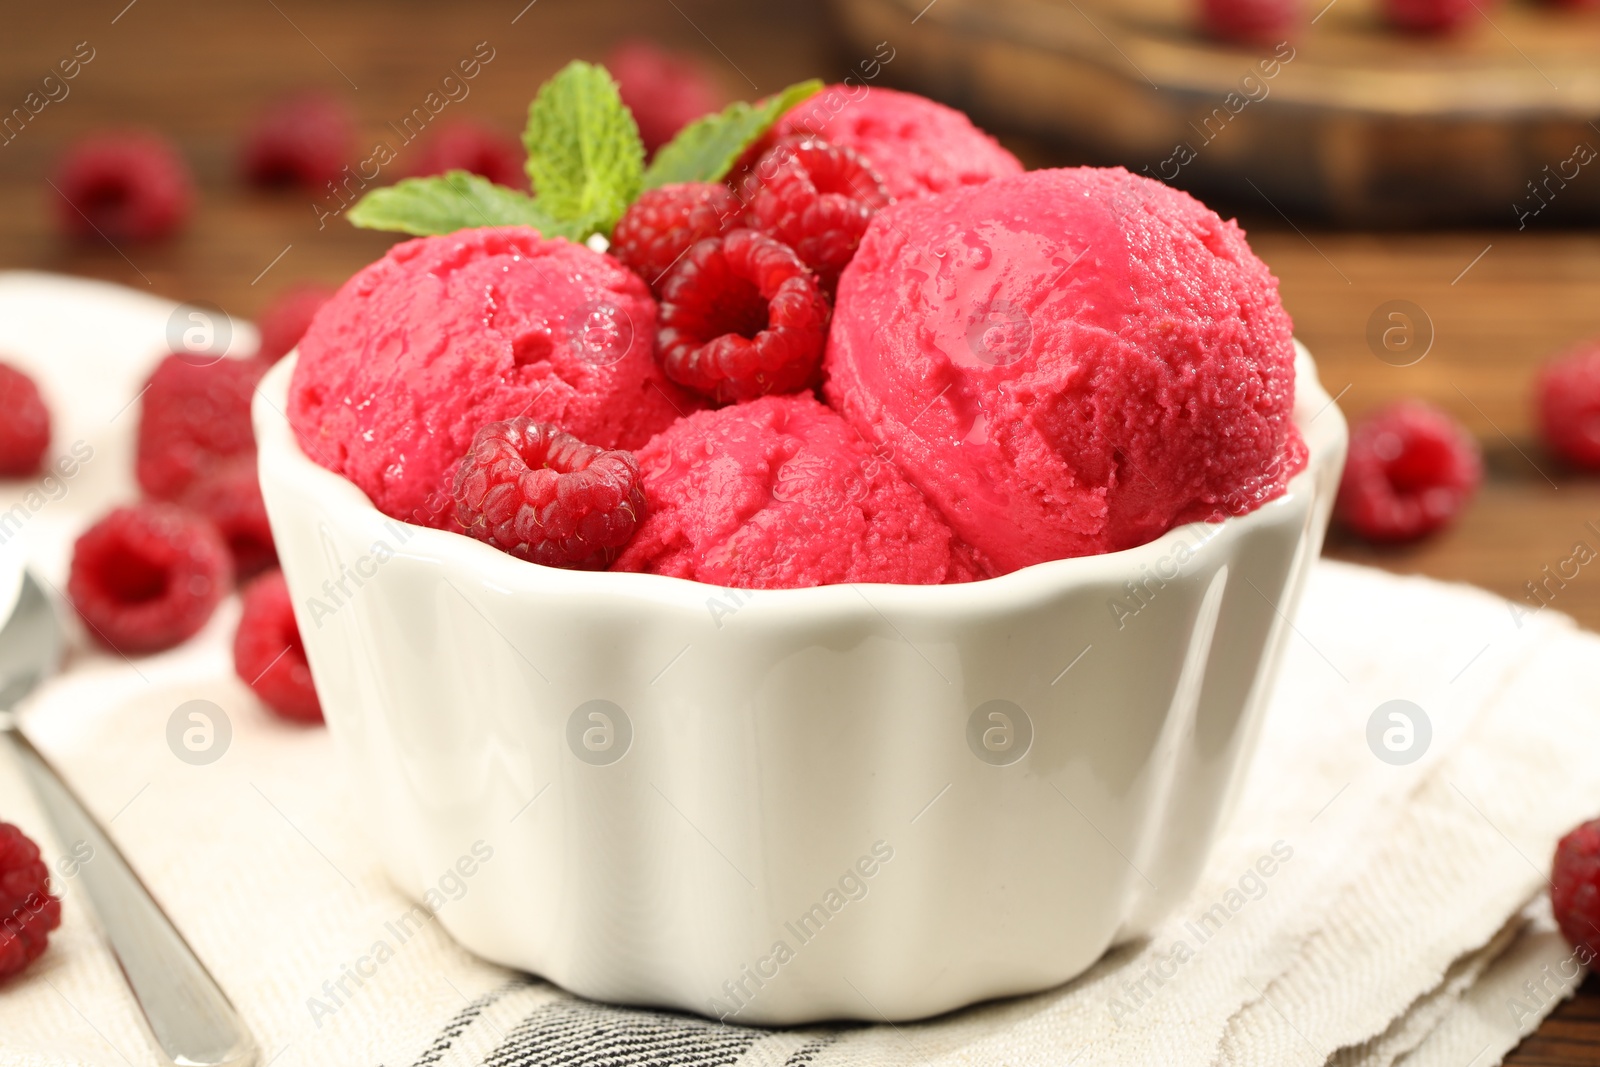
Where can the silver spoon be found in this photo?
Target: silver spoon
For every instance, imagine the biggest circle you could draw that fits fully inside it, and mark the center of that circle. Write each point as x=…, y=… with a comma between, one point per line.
x=191, y=1022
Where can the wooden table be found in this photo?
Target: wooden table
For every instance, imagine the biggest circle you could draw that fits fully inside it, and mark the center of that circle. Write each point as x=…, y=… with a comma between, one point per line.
x=1500, y=301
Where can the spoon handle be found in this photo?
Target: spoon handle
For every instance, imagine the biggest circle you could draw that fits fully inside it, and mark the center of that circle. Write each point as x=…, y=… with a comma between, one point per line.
x=189, y=1016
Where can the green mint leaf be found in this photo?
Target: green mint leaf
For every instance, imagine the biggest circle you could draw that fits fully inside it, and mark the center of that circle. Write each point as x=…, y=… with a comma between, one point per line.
x=584, y=153
x=454, y=201
x=706, y=149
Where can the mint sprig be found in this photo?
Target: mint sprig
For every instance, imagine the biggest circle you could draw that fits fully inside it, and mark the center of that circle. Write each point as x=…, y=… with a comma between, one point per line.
x=457, y=200
x=584, y=154
x=707, y=148
x=585, y=161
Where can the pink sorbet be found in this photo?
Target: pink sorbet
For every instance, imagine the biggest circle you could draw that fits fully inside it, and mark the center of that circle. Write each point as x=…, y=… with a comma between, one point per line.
x=916, y=145
x=445, y=334
x=1067, y=362
x=780, y=492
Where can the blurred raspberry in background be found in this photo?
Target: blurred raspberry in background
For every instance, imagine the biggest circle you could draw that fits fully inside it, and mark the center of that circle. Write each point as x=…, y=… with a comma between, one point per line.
x=123, y=185
x=304, y=139
x=665, y=90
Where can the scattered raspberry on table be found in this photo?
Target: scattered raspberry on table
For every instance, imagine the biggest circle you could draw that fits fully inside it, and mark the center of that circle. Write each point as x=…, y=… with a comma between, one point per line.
x=268, y=654
x=1575, y=888
x=285, y=320
x=196, y=411
x=1254, y=22
x=24, y=424
x=471, y=146
x=120, y=186
x=27, y=910
x=1567, y=397
x=546, y=497
x=741, y=317
x=664, y=223
x=1434, y=16
x=1411, y=470
x=305, y=139
x=817, y=198
x=148, y=576
x=664, y=91
x=229, y=494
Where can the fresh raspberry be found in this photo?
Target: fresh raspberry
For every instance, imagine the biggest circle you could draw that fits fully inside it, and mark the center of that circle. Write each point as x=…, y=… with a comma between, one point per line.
x=664, y=91
x=1433, y=16
x=1254, y=22
x=194, y=414
x=470, y=146
x=148, y=576
x=304, y=139
x=27, y=910
x=546, y=497
x=1575, y=887
x=229, y=494
x=1411, y=471
x=123, y=186
x=24, y=424
x=284, y=321
x=817, y=198
x=268, y=654
x=1568, y=398
x=741, y=317
x=660, y=226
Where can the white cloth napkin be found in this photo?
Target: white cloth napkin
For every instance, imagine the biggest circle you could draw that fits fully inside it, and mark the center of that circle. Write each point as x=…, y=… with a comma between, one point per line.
x=1354, y=911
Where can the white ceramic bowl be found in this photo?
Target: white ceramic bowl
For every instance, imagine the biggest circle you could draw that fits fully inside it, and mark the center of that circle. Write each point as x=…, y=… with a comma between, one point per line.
x=860, y=801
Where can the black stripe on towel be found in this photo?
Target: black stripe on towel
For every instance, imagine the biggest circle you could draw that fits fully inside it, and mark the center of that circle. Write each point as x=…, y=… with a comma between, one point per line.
x=806, y=1054
x=575, y=1033
x=465, y=1018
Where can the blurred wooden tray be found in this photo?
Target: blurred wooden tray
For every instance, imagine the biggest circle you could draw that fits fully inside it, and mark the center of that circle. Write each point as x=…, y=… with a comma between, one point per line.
x=1360, y=123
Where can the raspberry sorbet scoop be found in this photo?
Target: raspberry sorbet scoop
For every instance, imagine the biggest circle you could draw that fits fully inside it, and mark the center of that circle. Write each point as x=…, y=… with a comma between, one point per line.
x=447, y=334
x=777, y=493
x=1067, y=362
x=916, y=145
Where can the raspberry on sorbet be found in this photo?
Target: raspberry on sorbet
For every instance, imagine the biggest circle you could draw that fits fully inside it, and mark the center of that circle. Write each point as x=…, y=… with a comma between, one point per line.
x=24, y=424
x=546, y=497
x=27, y=910
x=148, y=576
x=660, y=226
x=123, y=186
x=1411, y=470
x=268, y=654
x=817, y=198
x=742, y=317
